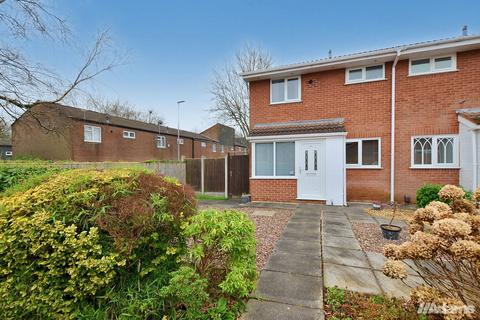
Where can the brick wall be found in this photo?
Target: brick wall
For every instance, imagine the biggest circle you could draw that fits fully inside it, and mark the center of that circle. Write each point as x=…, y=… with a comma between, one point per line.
x=284, y=190
x=425, y=105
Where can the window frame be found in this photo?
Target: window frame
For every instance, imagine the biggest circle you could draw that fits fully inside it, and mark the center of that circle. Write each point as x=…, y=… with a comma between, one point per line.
x=214, y=147
x=129, y=134
x=85, y=126
x=285, y=93
x=435, y=164
x=364, y=74
x=274, y=176
x=359, y=164
x=203, y=144
x=432, y=65
x=161, y=138
x=222, y=148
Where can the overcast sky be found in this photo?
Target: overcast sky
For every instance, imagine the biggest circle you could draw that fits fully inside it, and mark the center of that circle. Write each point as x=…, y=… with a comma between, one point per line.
x=173, y=46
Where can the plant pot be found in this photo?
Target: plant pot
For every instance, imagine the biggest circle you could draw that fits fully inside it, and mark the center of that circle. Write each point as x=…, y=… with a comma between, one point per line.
x=390, y=231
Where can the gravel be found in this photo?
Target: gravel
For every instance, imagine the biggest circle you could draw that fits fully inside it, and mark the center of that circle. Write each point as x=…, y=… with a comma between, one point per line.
x=369, y=235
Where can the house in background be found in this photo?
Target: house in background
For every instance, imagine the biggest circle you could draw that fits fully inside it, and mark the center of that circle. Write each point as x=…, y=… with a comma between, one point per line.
x=375, y=125
x=58, y=132
x=5, y=148
x=227, y=139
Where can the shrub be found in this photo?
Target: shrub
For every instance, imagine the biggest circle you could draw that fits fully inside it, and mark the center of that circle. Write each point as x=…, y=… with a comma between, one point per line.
x=221, y=268
x=13, y=175
x=445, y=249
x=427, y=194
x=91, y=244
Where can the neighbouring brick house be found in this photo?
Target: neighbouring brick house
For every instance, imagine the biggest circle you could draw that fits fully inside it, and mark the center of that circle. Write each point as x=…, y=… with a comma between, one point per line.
x=58, y=132
x=227, y=139
x=324, y=130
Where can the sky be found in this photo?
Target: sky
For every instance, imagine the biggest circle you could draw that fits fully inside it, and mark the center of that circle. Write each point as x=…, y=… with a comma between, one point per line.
x=172, y=47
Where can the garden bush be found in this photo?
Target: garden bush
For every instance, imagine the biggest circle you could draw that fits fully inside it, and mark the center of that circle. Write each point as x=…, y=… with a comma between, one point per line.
x=428, y=193
x=445, y=249
x=120, y=244
x=13, y=175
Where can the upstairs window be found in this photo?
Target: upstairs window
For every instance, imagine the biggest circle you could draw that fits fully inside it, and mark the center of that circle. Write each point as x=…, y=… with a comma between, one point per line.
x=435, y=151
x=285, y=90
x=365, y=74
x=363, y=153
x=214, y=147
x=161, y=142
x=129, y=134
x=203, y=144
x=92, y=134
x=180, y=141
x=222, y=148
x=432, y=65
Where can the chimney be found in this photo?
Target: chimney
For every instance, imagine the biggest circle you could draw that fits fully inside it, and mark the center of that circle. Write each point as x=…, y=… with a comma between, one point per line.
x=465, y=31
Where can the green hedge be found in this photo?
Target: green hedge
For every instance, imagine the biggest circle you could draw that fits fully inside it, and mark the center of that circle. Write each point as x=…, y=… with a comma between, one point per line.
x=13, y=175
x=429, y=192
x=93, y=244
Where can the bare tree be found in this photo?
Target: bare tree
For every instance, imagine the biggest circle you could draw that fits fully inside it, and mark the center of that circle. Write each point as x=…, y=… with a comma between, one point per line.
x=24, y=84
x=230, y=92
x=123, y=109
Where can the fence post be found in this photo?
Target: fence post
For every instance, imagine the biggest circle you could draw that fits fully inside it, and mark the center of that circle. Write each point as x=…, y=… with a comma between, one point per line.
x=226, y=176
x=202, y=174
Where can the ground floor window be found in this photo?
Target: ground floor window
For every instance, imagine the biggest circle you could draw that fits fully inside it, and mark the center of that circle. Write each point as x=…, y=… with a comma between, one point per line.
x=363, y=153
x=434, y=151
x=274, y=159
x=92, y=134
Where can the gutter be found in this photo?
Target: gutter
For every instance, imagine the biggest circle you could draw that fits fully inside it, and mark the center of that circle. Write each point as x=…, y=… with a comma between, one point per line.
x=392, y=135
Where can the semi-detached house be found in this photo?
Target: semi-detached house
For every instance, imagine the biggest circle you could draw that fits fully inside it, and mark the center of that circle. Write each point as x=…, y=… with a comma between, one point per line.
x=375, y=125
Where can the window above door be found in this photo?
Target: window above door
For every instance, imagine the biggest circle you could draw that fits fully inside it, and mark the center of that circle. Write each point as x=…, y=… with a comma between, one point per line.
x=285, y=90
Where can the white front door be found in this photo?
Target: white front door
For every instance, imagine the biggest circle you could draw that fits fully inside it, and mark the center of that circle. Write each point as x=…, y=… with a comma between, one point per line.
x=311, y=170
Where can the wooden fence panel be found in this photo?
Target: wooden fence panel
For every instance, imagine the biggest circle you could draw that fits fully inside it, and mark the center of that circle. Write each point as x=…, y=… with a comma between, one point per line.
x=194, y=173
x=238, y=175
x=214, y=175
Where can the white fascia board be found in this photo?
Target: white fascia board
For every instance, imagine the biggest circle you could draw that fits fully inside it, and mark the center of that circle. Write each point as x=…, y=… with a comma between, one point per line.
x=471, y=125
x=296, y=136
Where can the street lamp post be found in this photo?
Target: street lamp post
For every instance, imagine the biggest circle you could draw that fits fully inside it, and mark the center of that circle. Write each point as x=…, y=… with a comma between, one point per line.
x=178, y=128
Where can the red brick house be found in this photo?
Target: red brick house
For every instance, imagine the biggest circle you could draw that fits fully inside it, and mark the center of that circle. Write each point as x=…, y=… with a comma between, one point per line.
x=58, y=132
x=227, y=139
x=374, y=125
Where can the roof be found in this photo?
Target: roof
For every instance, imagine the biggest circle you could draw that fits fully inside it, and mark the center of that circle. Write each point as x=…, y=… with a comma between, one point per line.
x=298, y=127
x=472, y=114
x=461, y=43
x=104, y=118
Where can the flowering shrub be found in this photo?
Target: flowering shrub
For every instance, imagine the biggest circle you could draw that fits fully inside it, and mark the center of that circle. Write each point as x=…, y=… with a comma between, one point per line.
x=445, y=249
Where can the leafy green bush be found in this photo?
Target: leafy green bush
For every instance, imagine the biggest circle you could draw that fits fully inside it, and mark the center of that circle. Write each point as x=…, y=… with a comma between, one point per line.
x=428, y=193
x=13, y=175
x=222, y=267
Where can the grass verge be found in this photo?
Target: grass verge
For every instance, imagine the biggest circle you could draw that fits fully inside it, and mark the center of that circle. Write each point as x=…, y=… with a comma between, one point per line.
x=200, y=196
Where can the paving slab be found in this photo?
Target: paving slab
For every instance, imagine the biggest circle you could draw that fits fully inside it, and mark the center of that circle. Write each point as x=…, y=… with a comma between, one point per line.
x=346, y=257
x=305, y=219
x=295, y=289
x=377, y=260
x=305, y=235
x=341, y=242
x=338, y=223
x=350, y=278
x=267, y=310
x=395, y=287
x=304, y=226
x=311, y=214
x=295, y=263
x=338, y=231
x=312, y=248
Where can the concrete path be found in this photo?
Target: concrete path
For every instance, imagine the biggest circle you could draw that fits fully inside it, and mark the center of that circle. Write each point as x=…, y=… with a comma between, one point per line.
x=291, y=284
x=346, y=265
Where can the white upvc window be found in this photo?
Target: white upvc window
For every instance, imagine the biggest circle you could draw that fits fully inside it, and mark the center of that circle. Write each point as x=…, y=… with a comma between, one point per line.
x=273, y=160
x=214, y=147
x=363, y=153
x=203, y=144
x=285, y=90
x=92, y=134
x=180, y=141
x=365, y=74
x=128, y=134
x=222, y=148
x=161, y=142
x=435, y=151
x=432, y=65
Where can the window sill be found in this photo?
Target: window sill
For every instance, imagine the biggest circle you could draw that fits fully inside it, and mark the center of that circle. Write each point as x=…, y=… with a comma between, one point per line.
x=273, y=178
x=285, y=102
x=432, y=72
x=435, y=167
x=96, y=142
x=365, y=81
x=365, y=167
